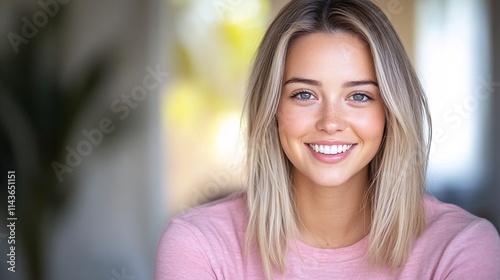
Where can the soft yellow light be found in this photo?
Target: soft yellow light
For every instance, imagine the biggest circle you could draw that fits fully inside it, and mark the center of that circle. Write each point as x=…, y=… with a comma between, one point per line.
x=226, y=139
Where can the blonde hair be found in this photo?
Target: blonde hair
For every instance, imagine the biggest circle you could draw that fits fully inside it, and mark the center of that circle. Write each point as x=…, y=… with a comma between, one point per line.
x=397, y=172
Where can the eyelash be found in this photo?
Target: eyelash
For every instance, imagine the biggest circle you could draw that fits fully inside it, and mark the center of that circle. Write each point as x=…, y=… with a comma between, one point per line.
x=297, y=93
x=368, y=97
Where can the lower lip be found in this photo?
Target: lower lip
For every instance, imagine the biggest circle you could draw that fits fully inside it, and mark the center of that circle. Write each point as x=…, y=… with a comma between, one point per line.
x=331, y=159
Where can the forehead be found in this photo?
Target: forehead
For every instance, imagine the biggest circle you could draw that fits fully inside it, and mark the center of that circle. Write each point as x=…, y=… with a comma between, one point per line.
x=347, y=37
x=340, y=54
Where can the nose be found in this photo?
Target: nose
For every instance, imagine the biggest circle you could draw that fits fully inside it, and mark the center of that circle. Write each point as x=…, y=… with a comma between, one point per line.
x=331, y=117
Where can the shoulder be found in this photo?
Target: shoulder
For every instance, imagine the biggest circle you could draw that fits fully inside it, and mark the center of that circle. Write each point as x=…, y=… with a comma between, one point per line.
x=190, y=243
x=448, y=221
x=230, y=210
x=222, y=217
x=438, y=212
x=458, y=242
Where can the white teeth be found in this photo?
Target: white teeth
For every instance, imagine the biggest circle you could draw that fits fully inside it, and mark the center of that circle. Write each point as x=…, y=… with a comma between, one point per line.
x=327, y=150
x=330, y=150
x=335, y=150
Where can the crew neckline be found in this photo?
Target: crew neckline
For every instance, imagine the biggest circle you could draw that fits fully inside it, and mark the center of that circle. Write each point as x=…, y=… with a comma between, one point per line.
x=355, y=251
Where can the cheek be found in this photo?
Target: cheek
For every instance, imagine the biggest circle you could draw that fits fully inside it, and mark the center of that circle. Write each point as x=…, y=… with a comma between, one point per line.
x=371, y=125
x=286, y=120
x=294, y=121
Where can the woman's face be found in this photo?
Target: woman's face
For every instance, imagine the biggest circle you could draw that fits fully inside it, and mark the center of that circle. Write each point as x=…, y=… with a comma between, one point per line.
x=330, y=116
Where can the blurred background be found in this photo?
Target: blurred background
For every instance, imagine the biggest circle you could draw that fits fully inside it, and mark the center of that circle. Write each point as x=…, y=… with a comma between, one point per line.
x=118, y=115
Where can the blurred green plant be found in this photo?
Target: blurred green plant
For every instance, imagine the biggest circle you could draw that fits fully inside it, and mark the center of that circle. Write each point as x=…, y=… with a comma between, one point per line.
x=37, y=117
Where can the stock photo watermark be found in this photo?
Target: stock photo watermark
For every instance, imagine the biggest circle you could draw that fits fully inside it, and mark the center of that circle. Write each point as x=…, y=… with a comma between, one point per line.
x=222, y=7
x=459, y=112
x=11, y=220
x=31, y=26
x=121, y=106
x=122, y=275
x=221, y=183
x=391, y=7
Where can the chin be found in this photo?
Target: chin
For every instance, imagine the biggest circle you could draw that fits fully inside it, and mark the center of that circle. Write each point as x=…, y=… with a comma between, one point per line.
x=330, y=182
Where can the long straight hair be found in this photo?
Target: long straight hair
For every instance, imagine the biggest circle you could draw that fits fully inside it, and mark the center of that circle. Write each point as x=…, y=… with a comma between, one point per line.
x=397, y=172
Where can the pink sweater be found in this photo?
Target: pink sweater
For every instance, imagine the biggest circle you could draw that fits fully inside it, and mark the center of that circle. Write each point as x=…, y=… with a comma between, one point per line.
x=208, y=242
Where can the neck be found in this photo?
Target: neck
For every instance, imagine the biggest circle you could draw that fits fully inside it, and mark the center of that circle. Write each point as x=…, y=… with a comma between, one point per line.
x=334, y=216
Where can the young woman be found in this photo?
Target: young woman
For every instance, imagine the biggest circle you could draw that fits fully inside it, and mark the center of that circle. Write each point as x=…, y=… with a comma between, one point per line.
x=338, y=135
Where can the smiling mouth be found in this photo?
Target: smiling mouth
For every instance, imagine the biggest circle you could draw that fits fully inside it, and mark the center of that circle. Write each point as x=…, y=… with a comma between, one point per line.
x=330, y=150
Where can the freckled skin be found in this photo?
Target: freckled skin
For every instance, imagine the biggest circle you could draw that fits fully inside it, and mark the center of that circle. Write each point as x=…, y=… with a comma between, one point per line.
x=331, y=113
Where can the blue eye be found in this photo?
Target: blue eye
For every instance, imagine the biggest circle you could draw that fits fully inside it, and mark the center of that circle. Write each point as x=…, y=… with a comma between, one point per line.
x=303, y=95
x=360, y=97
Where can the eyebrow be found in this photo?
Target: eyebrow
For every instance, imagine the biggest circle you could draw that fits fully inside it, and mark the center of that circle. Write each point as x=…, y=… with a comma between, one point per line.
x=359, y=83
x=303, y=81
x=318, y=83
